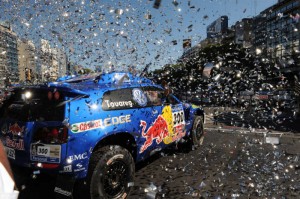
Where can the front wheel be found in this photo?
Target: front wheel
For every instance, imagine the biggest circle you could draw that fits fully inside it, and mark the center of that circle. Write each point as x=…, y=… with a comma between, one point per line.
x=111, y=173
x=197, y=135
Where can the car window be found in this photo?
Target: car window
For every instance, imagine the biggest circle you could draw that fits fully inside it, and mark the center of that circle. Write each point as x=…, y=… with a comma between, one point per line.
x=171, y=99
x=237, y=61
x=118, y=99
x=154, y=96
x=127, y=98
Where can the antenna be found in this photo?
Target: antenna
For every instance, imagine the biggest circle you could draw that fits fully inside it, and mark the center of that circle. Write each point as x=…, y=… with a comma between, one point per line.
x=145, y=69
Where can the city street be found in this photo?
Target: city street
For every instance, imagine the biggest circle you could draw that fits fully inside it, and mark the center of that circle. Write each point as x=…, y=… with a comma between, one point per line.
x=231, y=163
x=91, y=89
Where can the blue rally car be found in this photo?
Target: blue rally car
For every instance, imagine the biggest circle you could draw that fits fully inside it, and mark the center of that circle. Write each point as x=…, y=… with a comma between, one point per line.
x=94, y=129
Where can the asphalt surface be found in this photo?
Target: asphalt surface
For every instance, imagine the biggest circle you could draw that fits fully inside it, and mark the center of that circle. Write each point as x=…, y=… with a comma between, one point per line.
x=233, y=162
x=229, y=164
x=226, y=116
x=241, y=157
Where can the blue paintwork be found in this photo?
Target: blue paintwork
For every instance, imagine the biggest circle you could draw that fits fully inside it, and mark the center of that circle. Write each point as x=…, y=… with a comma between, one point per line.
x=88, y=124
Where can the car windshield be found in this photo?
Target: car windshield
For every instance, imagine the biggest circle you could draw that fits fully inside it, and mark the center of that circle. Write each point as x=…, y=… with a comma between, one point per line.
x=233, y=65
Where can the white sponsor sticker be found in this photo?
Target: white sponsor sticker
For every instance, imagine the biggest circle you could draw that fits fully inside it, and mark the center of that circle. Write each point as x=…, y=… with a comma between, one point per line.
x=101, y=123
x=68, y=168
x=11, y=153
x=45, y=153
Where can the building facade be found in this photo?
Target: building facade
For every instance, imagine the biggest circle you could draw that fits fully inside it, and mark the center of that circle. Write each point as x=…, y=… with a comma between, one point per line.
x=283, y=29
x=277, y=33
x=9, y=71
x=27, y=61
x=243, y=32
x=53, y=62
x=59, y=61
x=218, y=27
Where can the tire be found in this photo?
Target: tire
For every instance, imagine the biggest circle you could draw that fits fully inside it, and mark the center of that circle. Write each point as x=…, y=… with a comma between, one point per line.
x=111, y=173
x=197, y=135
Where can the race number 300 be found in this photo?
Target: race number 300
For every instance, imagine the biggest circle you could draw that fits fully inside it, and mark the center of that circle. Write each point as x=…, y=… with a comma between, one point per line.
x=43, y=150
x=178, y=118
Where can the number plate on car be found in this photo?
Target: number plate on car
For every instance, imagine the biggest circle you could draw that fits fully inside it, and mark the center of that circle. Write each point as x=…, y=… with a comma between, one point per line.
x=45, y=153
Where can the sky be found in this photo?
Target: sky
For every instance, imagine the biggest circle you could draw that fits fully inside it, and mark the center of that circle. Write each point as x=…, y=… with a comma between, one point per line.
x=122, y=33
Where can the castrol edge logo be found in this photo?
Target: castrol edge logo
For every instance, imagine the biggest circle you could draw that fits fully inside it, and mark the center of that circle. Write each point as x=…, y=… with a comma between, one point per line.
x=101, y=123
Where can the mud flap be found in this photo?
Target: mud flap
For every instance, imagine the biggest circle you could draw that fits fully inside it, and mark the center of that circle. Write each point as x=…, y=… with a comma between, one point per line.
x=64, y=187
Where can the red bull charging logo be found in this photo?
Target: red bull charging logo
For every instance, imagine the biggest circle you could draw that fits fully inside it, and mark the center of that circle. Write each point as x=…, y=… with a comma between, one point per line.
x=16, y=142
x=158, y=131
x=16, y=130
x=167, y=127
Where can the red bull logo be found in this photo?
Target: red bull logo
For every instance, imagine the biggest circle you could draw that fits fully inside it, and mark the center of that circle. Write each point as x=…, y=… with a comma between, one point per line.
x=158, y=131
x=16, y=130
x=15, y=144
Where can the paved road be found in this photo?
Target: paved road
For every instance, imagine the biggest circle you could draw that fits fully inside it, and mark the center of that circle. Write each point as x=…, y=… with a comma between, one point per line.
x=231, y=163
x=252, y=119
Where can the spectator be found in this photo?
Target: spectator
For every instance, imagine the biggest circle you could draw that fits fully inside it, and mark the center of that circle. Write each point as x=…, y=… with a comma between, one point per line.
x=154, y=98
x=216, y=113
x=7, y=183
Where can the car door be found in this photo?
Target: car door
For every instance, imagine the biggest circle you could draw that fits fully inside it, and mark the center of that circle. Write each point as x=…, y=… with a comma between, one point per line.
x=177, y=123
x=153, y=127
x=165, y=124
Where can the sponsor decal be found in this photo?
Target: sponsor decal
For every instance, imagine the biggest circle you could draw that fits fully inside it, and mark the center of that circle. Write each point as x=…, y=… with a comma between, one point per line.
x=43, y=150
x=78, y=156
x=16, y=130
x=179, y=132
x=158, y=130
x=11, y=153
x=63, y=192
x=167, y=127
x=38, y=159
x=111, y=104
x=79, y=167
x=139, y=97
x=14, y=134
x=45, y=153
x=95, y=124
x=15, y=144
x=68, y=168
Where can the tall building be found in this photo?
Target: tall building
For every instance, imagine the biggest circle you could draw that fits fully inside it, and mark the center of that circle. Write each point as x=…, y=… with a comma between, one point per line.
x=243, y=32
x=47, y=70
x=59, y=61
x=259, y=31
x=277, y=32
x=27, y=60
x=283, y=29
x=9, y=71
x=191, y=52
x=53, y=62
x=216, y=32
x=217, y=28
